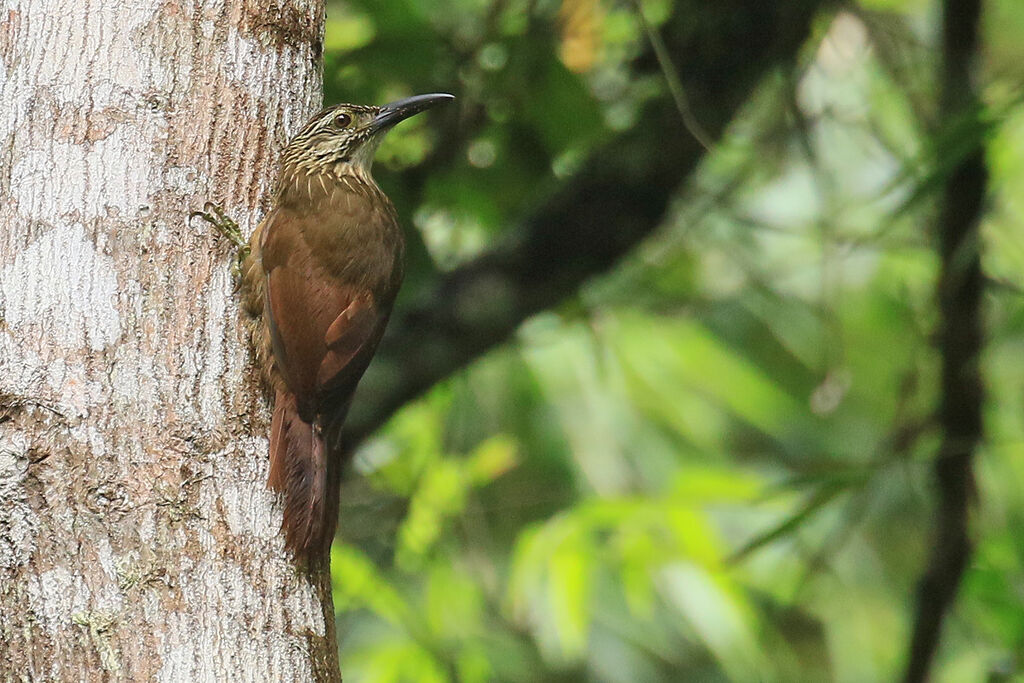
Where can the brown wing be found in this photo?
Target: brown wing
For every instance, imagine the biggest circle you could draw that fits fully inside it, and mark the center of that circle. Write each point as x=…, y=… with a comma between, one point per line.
x=316, y=325
x=329, y=291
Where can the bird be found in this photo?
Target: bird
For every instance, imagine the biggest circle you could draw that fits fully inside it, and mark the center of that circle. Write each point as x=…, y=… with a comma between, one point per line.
x=319, y=276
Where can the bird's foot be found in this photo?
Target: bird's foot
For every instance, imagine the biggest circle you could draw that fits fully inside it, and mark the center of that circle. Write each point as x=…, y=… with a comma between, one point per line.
x=226, y=226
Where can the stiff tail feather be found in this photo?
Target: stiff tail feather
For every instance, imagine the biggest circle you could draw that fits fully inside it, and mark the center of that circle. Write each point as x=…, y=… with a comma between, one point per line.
x=299, y=470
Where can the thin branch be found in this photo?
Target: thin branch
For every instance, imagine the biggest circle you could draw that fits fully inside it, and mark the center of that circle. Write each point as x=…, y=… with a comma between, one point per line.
x=814, y=504
x=672, y=80
x=960, y=289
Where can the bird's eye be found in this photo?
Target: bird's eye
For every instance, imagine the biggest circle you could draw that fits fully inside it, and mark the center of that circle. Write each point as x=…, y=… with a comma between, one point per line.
x=342, y=120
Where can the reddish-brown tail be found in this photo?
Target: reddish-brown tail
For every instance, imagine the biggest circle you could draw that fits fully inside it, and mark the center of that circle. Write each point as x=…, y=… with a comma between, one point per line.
x=298, y=469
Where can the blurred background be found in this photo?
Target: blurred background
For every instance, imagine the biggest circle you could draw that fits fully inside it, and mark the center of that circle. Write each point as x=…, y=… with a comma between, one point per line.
x=650, y=412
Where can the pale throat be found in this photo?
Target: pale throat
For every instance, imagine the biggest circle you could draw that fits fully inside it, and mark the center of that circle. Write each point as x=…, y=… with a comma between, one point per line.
x=362, y=157
x=359, y=163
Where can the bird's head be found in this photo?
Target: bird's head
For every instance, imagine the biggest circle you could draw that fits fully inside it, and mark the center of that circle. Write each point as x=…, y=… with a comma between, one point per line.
x=350, y=133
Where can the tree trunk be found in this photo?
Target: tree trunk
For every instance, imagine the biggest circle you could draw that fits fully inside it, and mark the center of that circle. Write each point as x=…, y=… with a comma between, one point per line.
x=138, y=540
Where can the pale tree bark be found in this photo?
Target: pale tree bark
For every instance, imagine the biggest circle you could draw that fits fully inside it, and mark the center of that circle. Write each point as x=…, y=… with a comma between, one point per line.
x=137, y=539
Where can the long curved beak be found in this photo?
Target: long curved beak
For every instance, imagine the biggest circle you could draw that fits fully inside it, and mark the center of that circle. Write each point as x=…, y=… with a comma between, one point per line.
x=399, y=110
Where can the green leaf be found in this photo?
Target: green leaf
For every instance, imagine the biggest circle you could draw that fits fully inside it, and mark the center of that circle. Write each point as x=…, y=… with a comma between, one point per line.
x=569, y=593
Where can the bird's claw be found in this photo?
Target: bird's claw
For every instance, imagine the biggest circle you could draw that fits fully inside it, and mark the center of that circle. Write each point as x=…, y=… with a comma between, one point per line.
x=226, y=226
x=222, y=223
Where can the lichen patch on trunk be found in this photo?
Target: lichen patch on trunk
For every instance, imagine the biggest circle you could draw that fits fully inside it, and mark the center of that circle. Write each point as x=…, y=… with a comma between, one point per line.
x=69, y=301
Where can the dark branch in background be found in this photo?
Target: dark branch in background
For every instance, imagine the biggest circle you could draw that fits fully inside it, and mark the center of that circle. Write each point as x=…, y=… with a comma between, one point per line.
x=721, y=51
x=960, y=288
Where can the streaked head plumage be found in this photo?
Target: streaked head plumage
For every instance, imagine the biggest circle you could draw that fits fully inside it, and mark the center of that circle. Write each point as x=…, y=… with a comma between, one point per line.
x=351, y=133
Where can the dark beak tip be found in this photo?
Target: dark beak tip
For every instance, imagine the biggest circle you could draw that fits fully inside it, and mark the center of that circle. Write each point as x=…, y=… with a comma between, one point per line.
x=418, y=103
x=399, y=110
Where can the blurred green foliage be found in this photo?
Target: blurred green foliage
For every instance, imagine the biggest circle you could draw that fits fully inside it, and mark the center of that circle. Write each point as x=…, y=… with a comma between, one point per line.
x=713, y=463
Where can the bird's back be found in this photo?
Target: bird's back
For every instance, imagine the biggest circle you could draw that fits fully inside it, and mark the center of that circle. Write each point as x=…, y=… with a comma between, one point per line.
x=332, y=265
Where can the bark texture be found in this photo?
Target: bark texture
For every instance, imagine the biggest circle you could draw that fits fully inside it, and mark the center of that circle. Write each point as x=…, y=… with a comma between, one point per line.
x=138, y=540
